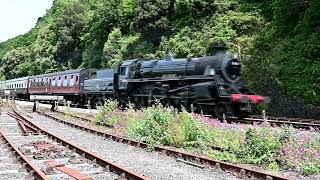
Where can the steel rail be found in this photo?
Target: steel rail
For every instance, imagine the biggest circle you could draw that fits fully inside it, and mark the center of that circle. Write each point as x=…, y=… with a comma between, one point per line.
x=242, y=172
x=282, y=122
x=26, y=128
x=32, y=168
x=122, y=171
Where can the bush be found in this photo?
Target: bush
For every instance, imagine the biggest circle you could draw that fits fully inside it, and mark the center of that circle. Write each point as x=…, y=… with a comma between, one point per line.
x=194, y=133
x=261, y=147
x=110, y=106
x=154, y=127
x=301, y=152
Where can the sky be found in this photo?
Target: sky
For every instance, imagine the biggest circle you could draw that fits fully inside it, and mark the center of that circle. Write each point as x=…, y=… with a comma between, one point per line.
x=19, y=16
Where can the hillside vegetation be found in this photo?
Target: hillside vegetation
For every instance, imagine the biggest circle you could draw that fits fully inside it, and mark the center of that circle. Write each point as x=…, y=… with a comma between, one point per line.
x=278, y=40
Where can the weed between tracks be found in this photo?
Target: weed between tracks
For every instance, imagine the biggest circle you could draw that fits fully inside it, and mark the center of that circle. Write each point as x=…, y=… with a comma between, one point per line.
x=274, y=148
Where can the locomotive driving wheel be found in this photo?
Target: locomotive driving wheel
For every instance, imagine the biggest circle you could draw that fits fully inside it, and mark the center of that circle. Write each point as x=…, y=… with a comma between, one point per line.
x=157, y=94
x=139, y=99
x=222, y=109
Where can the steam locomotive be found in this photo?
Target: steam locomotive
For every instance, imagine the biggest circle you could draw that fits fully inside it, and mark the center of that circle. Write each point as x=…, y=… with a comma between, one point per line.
x=211, y=84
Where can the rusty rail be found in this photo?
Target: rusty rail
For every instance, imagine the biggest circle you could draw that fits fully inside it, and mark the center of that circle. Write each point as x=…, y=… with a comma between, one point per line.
x=122, y=171
x=26, y=128
x=32, y=168
x=242, y=172
x=295, y=122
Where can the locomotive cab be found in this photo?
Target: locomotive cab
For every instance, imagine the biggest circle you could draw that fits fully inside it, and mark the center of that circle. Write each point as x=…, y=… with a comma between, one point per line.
x=123, y=73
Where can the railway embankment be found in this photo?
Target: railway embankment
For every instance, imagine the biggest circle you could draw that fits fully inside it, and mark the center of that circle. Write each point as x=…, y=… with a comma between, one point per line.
x=281, y=149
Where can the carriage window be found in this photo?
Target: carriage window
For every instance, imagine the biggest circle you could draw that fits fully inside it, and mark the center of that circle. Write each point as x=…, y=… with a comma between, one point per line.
x=53, y=83
x=59, y=81
x=72, y=80
x=77, y=78
x=65, y=81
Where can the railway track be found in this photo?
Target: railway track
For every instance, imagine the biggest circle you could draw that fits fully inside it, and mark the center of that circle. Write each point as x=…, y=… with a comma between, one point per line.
x=48, y=156
x=199, y=161
x=14, y=165
x=294, y=122
x=302, y=123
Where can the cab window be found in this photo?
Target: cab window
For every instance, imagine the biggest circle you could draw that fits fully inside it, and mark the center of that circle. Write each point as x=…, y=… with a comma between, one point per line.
x=122, y=71
x=93, y=75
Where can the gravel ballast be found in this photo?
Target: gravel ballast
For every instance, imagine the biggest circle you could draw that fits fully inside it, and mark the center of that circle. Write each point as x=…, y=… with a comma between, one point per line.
x=150, y=164
x=58, y=153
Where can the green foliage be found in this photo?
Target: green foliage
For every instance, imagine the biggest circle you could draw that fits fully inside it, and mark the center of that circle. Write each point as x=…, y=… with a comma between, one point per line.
x=118, y=48
x=163, y=125
x=154, y=127
x=153, y=19
x=261, y=147
x=109, y=106
x=69, y=26
x=278, y=39
x=288, y=51
x=13, y=62
x=194, y=133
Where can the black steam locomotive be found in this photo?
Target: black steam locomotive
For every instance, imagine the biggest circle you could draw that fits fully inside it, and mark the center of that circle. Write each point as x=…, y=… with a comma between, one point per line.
x=210, y=84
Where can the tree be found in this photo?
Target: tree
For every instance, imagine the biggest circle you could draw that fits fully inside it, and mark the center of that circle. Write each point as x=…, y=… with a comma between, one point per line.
x=118, y=47
x=13, y=62
x=69, y=26
x=44, y=52
x=153, y=19
x=99, y=25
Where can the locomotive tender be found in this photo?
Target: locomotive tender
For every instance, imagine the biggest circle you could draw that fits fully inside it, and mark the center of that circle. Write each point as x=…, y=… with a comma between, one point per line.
x=210, y=84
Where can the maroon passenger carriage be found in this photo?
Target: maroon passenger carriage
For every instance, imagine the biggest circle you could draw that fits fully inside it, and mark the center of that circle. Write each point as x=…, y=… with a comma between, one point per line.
x=65, y=85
